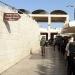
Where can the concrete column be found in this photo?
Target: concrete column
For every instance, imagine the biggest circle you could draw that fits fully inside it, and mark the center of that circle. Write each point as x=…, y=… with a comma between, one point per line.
x=49, y=22
x=66, y=21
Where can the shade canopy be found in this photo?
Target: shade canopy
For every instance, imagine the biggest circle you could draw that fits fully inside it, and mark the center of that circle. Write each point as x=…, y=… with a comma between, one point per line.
x=40, y=11
x=70, y=27
x=58, y=12
x=21, y=11
x=41, y=15
x=69, y=30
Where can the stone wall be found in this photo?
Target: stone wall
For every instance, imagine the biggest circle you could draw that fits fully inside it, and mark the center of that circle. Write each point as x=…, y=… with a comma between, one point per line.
x=17, y=38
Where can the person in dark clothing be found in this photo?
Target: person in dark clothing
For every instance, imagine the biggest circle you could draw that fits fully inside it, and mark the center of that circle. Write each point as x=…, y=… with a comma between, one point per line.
x=70, y=52
x=54, y=43
x=59, y=42
x=65, y=41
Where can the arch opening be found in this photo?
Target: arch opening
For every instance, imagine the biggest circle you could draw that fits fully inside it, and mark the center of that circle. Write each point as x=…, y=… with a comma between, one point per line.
x=40, y=11
x=21, y=11
x=58, y=12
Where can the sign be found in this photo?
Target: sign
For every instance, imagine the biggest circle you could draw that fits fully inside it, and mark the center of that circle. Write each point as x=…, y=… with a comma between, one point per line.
x=11, y=16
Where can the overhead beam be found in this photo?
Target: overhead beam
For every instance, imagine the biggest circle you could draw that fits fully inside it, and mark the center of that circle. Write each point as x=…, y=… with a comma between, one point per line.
x=54, y=17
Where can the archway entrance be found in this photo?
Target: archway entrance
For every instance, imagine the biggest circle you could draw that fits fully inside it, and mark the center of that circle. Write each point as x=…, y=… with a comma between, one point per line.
x=54, y=16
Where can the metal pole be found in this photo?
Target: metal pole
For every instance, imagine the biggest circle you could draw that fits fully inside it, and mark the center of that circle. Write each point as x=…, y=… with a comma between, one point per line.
x=74, y=13
x=74, y=9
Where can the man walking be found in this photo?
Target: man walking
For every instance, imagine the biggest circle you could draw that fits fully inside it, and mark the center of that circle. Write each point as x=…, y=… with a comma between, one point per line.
x=42, y=44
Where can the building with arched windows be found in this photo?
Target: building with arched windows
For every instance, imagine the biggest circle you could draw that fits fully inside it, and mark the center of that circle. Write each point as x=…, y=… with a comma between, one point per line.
x=56, y=16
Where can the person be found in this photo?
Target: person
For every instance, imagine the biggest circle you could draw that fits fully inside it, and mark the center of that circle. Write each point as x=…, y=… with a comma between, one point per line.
x=42, y=44
x=54, y=43
x=70, y=50
x=46, y=43
x=49, y=41
x=59, y=42
x=65, y=41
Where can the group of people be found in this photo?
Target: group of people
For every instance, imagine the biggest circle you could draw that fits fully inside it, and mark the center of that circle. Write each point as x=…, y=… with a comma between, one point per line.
x=70, y=54
x=66, y=46
x=60, y=42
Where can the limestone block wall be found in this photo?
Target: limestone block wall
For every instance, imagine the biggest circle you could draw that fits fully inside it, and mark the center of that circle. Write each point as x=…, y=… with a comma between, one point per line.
x=17, y=38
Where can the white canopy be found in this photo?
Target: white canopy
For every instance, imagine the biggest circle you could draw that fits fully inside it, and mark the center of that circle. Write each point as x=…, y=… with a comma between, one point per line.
x=72, y=23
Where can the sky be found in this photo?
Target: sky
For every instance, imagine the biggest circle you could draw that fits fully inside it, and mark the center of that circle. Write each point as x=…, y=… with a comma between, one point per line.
x=48, y=5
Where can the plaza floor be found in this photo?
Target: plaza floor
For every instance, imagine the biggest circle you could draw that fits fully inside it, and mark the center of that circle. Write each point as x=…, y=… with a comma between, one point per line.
x=52, y=63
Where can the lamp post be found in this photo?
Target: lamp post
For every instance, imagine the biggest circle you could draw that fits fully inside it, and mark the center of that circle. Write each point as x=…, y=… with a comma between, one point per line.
x=74, y=9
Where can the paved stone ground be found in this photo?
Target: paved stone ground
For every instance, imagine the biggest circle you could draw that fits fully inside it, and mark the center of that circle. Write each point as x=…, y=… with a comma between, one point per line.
x=52, y=63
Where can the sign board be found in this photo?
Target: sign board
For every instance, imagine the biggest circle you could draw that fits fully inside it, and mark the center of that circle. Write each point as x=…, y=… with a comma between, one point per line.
x=11, y=16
